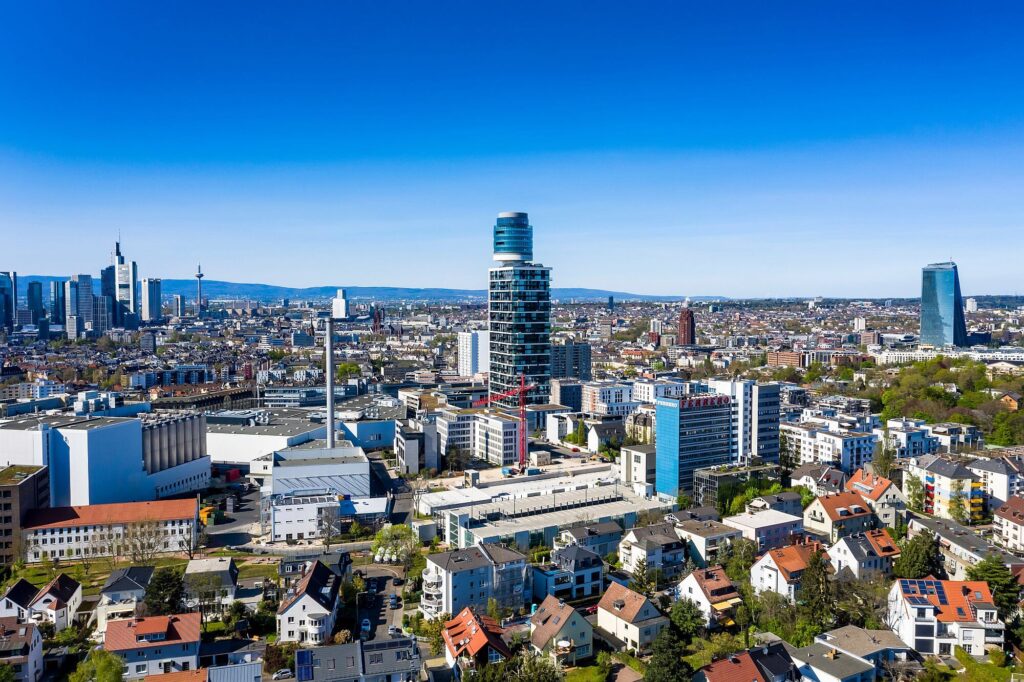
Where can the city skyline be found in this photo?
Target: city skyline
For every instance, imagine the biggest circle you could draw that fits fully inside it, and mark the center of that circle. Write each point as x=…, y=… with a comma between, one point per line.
x=636, y=141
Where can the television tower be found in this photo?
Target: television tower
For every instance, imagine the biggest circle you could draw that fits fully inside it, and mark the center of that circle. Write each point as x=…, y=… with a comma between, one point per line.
x=199, y=290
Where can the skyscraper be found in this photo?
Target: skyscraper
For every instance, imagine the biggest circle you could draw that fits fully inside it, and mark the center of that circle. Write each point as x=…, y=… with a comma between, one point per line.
x=571, y=359
x=34, y=301
x=57, y=305
x=518, y=313
x=687, y=335
x=178, y=306
x=78, y=301
x=942, y=308
x=151, y=300
x=127, y=284
x=8, y=299
x=339, y=306
x=755, y=418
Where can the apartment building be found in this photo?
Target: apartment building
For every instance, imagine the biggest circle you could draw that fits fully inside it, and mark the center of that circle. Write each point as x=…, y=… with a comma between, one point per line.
x=946, y=483
x=935, y=616
x=155, y=645
x=1008, y=524
x=657, y=545
x=22, y=489
x=489, y=435
x=885, y=499
x=768, y=529
x=864, y=554
x=807, y=443
x=1001, y=474
x=472, y=576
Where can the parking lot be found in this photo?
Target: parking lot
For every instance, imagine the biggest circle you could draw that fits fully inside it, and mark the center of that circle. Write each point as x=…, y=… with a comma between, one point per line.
x=374, y=606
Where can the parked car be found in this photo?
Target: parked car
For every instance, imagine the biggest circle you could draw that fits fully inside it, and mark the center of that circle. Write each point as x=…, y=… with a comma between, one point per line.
x=397, y=581
x=365, y=627
x=283, y=674
x=393, y=601
x=394, y=631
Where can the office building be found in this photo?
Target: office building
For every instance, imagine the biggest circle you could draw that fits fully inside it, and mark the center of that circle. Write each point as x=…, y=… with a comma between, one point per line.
x=755, y=418
x=57, y=311
x=8, y=299
x=34, y=301
x=151, y=300
x=339, y=306
x=567, y=392
x=22, y=488
x=519, y=313
x=474, y=352
x=972, y=305
x=178, y=306
x=78, y=301
x=687, y=334
x=692, y=433
x=571, y=360
x=942, y=308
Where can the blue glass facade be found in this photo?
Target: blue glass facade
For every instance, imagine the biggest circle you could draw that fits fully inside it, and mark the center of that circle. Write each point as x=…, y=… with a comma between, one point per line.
x=513, y=237
x=942, y=307
x=690, y=433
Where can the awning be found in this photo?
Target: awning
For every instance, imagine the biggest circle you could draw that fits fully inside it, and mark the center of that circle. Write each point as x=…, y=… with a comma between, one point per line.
x=726, y=605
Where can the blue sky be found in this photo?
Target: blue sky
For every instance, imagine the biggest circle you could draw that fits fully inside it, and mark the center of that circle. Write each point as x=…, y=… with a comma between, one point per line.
x=742, y=149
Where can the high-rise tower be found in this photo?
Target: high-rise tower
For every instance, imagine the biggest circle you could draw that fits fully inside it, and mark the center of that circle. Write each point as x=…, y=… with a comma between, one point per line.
x=687, y=335
x=942, y=308
x=199, y=290
x=518, y=313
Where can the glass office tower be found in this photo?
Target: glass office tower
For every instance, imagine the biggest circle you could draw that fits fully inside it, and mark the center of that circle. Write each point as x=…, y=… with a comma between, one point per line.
x=518, y=313
x=942, y=308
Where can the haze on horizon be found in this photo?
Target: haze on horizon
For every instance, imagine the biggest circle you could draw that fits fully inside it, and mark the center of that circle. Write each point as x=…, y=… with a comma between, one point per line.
x=745, y=150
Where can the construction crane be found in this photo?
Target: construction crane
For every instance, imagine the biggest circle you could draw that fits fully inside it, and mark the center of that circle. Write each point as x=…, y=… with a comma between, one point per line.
x=518, y=392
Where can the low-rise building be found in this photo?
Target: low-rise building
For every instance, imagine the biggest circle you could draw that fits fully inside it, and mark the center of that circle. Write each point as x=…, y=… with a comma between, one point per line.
x=820, y=662
x=472, y=641
x=881, y=648
x=210, y=584
x=56, y=603
x=574, y=572
x=835, y=516
x=934, y=616
x=820, y=479
x=308, y=615
x=22, y=649
x=155, y=645
x=1008, y=524
x=629, y=619
x=657, y=545
x=787, y=503
x=885, y=499
x=781, y=570
x=715, y=594
x=706, y=540
x=768, y=529
x=123, y=590
x=602, y=538
x=388, y=660
x=864, y=554
x=561, y=633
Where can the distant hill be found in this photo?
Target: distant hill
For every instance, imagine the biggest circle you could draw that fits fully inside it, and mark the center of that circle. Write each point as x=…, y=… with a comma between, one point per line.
x=214, y=289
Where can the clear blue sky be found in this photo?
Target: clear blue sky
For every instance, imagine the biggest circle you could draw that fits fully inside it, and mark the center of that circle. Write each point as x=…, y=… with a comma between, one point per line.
x=744, y=149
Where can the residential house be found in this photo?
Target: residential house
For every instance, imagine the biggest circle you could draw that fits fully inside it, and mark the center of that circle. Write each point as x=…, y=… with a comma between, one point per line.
x=949, y=489
x=121, y=593
x=768, y=529
x=787, y=503
x=472, y=641
x=308, y=615
x=864, y=554
x=232, y=672
x=885, y=499
x=22, y=649
x=601, y=538
x=573, y=573
x=561, y=633
x=56, y=603
x=780, y=570
x=210, y=584
x=154, y=645
x=827, y=664
x=820, y=479
x=657, y=545
x=715, y=594
x=472, y=576
x=1008, y=524
x=705, y=540
x=880, y=648
x=934, y=616
x=738, y=667
x=837, y=515
x=628, y=619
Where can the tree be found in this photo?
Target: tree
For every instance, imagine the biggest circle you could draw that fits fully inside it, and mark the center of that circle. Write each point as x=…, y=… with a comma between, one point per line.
x=958, y=508
x=398, y=539
x=1001, y=582
x=881, y=463
x=919, y=558
x=191, y=543
x=99, y=666
x=165, y=591
x=687, y=618
x=643, y=582
x=915, y=493
x=493, y=610
x=204, y=589
x=523, y=668
x=432, y=631
x=817, y=592
x=740, y=557
x=7, y=673
x=667, y=662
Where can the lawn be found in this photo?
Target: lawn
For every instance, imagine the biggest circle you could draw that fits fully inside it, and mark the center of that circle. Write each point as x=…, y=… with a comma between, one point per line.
x=248, y=571
x=590, y=673
x=92, y=575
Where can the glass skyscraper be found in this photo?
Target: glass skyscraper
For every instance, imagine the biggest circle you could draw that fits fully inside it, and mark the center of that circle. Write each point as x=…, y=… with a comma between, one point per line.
x=518, y=313
x=942, y=307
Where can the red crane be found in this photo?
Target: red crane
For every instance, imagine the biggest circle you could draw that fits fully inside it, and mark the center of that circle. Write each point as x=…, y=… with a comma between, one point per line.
x=518, y=392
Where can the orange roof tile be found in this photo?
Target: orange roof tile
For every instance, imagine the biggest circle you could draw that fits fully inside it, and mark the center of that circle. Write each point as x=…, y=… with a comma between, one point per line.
x=467, y=634
x=631, y=602
x=868, y=486
x=851, y=502
x=122, y=635
x=794, y=558
x=959, y=597
x=882, y=543
x=736, y=668
x=108, y=514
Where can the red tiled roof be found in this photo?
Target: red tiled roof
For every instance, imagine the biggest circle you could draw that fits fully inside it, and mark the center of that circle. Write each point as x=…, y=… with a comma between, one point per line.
x=109, y=514
x=197, y=675
x=882, y=543
x=793, y=559
x=737, y=668
x=631, y=602
x=467, y=634
x=959, y=597
x=868, y=486
x=1012, y=510
x=852, y=502
x=122, y=635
